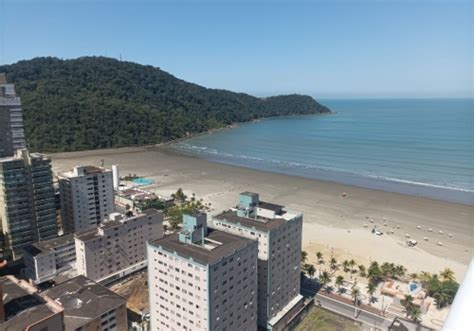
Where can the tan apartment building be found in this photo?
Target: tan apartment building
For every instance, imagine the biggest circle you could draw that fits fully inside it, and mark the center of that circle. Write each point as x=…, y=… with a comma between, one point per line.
x=87, y=197
x=202, y=279
x=89, y=306
x=279, y=235
x=117, y=247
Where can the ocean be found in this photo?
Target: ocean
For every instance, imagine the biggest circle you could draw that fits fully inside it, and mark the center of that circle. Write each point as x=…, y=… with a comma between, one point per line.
x=420, y=147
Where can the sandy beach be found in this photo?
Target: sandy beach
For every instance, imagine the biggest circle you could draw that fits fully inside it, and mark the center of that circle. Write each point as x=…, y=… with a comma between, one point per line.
x=333, y=224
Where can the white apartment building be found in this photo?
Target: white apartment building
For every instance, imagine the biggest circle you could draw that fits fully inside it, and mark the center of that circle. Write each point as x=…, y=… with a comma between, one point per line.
x=117, y=247
x=87, y=197
x=279, y=234
x=202, y=279
x=46, y=259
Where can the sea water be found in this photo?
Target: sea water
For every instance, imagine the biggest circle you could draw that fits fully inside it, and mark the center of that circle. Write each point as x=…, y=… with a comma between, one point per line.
x=418, y=146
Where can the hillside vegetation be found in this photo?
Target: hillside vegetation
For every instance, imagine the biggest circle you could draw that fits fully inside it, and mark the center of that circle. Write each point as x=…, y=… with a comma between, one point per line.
x=97, y=102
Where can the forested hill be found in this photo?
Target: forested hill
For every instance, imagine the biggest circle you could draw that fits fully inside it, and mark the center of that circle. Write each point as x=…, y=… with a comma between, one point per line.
x=97, y=102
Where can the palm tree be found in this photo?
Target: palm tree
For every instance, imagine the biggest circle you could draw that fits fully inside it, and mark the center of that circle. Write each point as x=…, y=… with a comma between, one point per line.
x=412, y=310
x=304, y=257
x=324, y=278
x=425, y=277
x=415, y=313
x=311, y=270
x=339, y=282
x=386, y=269
x=352, y=263
x=371, y=288
x=345, y=266
x=333, y=264
x=407, y=302
x=400, y=270
x=414, y=276
x=319, y=257
x=442, y=298
x=447, y=274
x=355, y=294
x=374, y=273
x=362, y=271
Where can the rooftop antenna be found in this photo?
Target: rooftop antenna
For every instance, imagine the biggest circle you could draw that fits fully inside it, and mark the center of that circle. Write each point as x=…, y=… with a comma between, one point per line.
x=102, y=163
x=120, y=57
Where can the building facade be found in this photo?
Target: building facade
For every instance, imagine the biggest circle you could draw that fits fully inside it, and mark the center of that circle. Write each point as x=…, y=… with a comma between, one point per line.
x=117, y=247
x=279, y=235
x=87, y=197
x=12, y=134
x=89, y=306
x=202, y=279
x=27, y=210
x=46, y=259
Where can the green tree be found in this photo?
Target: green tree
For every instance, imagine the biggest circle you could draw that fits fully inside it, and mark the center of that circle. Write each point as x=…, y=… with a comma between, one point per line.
x=304, y=257
x=324, y=278
x=333, y=264
x=362, y=270
x=371, y=288
x=97, y=102
x=311, y=270
x=339, y=282
x=447, y=274
x=346, y=266
x=373, y=273
x=355, y=294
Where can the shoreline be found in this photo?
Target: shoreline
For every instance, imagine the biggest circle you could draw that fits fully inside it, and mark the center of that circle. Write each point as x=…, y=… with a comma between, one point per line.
x=332, y=224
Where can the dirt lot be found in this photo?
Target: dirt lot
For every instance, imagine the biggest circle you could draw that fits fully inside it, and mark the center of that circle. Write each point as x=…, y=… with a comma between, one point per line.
x=135, y=290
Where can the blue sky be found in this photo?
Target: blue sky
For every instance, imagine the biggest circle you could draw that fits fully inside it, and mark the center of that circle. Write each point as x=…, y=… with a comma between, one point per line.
x=335, y=48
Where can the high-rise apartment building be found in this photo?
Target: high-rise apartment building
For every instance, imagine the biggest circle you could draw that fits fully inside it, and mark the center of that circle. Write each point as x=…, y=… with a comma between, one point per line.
x=87, y=197
x=12, y=134
x=202, y=279
x=117, y=247
x=27, y=210
x=279, y=234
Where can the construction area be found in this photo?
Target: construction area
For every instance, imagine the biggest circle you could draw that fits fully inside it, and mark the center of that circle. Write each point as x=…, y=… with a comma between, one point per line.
x=135, y=290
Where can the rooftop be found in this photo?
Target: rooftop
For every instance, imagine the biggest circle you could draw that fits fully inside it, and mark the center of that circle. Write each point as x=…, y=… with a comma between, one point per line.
x=261, y=224
x=270, y=206
x=47, y=245
x=83, y=300
x=79, y=171
x=22, y=305
x=94, y=232
x=223, y=244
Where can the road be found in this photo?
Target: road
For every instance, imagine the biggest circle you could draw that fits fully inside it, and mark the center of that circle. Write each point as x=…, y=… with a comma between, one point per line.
x=369, y=319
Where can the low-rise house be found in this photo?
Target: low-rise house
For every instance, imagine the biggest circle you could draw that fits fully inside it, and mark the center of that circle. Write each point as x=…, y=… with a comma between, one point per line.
x=117, y=247
x=89, y=306
x=141, y=199
x=46, y=259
